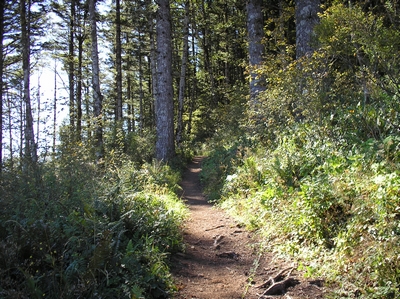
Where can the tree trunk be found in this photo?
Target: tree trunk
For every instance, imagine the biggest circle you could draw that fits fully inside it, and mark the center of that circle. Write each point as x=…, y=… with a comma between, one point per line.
x=2, y=8
x=118, y=61
x=55, y=108
x=164, y=106
x=129, y=97
x=182, y=81
x=141, y=97
x=38, y=100
x=193, y=91
x=79, y=88
x=207, y=52
x=71, y=68
x=153, y=78
x=306, y=18
x=10, y=134
x=255, y=30
x=30, y=145
x=97, y=97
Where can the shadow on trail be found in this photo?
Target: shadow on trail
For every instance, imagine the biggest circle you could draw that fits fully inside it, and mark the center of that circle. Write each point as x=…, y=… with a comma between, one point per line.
x=191, y=186
x=213, y=264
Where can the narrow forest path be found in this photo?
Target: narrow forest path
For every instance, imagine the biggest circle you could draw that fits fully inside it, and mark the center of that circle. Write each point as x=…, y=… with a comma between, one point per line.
x=222, y=259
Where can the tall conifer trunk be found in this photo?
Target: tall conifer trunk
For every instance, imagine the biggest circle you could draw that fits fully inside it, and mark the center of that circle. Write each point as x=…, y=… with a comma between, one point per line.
x=97, y=97
x=118, y=61
x=2, y=8
x=71, y=67
x=55, y=108
x=79, y=88
x=29, y=136
x=255, y=30
x=182, y=81
x=164, y=106
x=306, y=19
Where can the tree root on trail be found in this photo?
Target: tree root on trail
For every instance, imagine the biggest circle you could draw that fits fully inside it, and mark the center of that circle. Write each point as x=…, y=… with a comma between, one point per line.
x=219, y=226
x=278, y=284
x=229, y=255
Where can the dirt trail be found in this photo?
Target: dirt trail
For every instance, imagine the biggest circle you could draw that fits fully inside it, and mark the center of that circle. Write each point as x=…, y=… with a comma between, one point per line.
x=222, y=259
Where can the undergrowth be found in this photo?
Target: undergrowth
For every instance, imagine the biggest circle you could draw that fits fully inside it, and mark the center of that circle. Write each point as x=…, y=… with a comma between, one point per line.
x=73, y=231
x=332, y=204
x=318, y=172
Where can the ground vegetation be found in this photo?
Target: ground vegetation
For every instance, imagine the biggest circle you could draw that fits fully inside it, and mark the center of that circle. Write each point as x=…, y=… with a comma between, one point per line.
x=318, y=175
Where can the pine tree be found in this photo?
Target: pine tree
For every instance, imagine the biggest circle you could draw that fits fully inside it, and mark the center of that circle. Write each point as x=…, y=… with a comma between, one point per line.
x=164, y=108
x=97, y=96
x=306, y=19
x=255, y=30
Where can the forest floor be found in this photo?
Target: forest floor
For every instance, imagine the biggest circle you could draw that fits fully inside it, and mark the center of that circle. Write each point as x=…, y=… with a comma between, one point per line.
x=223, y=261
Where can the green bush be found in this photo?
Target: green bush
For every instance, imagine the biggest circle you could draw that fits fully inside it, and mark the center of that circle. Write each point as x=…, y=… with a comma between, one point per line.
x=77, y=232
x=333, y=205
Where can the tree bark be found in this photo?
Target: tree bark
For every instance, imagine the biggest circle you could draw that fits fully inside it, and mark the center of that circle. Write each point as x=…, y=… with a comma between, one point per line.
x=164, y=108
x=10, y=134
x=306, y=19
x=81, y=39
x=182, y=81
x=193, y=91
x=141, y=95
x=2, y=8
x=55, y=108
x=97, y=97
x=71, y=68
x=118, y=60
x=153, y=77
x=30, y=145
x=255, y=30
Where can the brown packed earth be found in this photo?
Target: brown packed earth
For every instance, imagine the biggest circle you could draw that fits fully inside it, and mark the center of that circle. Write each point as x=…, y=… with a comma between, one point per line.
x=223, y=260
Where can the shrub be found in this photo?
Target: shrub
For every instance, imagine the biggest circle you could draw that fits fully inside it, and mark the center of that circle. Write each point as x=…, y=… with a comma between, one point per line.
x=87, y=234
x=333, y=205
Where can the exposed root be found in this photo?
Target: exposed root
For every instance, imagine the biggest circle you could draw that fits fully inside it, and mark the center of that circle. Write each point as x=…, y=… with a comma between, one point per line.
x=277, y=284
x=216, y=227
x=277, y=277
x=217, y=241
x=279, y=287
x=229, y=255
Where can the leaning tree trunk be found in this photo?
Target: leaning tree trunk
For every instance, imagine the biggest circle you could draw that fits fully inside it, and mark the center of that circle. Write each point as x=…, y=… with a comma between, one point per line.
x=97, y=97
x=164, y=106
